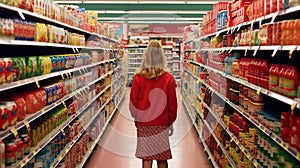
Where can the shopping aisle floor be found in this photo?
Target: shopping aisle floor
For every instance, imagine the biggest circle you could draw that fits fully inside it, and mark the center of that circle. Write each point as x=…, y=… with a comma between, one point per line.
x=117, y=148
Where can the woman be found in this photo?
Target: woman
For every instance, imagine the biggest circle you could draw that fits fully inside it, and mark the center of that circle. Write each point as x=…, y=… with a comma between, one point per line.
x=153, y=105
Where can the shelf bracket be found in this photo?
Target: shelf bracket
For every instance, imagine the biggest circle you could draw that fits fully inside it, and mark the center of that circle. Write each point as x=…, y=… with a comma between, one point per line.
x=275, y=51
x=21, y=14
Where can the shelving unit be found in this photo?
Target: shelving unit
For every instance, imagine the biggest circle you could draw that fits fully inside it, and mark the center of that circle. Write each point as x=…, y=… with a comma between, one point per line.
x=110, y=68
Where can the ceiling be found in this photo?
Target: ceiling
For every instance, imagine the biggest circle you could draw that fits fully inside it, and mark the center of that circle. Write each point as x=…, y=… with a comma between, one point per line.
x=146, y=11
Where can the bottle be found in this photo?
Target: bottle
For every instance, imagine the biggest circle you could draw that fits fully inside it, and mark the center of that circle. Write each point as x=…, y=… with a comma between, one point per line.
x=296, y=35
x=281, y=79
x=291, y=84
x=283, y=32
x=264, y=73
x=2, y=154
x=285, y=81
x=290, y=32
x=274, y=78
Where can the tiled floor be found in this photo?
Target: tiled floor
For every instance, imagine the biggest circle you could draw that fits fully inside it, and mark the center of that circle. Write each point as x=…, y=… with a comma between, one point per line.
x=117, y=148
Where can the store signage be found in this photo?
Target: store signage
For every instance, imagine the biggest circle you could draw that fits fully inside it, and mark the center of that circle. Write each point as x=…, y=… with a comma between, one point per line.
x=167, y=28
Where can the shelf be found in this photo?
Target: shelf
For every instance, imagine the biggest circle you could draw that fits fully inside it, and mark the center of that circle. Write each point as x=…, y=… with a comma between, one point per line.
x=255, y=48
x=55, y=132
x=92, y=146
x=271, y=16
x=137, y=46
x=260, y=126
x=219, y=143
x=71, y=144
x=53, y=45
x=25, y=14
x=134, y=63
x=19, y=83
x=206, y=149
x=267, y=92
x=30, y=118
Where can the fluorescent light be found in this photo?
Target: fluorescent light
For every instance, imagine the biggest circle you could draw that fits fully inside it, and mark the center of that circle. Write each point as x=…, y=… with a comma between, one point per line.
x=111, y=2
x=189, y=18
x=68, y=2
x=161, y=2
x=192, y=12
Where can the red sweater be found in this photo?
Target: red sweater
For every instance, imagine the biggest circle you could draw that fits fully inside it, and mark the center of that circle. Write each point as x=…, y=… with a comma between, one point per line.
x=153, y=102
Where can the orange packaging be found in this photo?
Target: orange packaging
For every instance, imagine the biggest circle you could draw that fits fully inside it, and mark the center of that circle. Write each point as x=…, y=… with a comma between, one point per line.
x=21, y=108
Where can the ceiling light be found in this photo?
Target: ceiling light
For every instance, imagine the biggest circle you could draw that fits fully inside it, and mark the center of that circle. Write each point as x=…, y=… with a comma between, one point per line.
x=163, y=22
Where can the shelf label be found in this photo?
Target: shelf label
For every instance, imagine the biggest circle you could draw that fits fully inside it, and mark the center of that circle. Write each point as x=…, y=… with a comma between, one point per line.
x=246, y=52
x=70, y=75
x=80, y=71
x=274, y=17
x=298, y=156
x=63, y=132
x=255, y=163
x=228, y=31
x=27, y=125
x=64, y=104
x=62, y=76
x=255, y=51
x=77, y=50
x=293, y=106
x=291, y=52
x=73, y=50
x=258, y=91
x=239, y=27
x=59, y=158
x=275, y=51
x=19, y=83
x=37, y=83
x=21, y=15
x=14, y=131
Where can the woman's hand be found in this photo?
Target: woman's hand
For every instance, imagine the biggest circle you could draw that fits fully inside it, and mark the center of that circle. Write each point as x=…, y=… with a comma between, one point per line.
x=171, y=130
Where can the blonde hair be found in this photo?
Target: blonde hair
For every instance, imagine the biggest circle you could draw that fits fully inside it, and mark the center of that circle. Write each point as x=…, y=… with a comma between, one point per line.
x=154, y=62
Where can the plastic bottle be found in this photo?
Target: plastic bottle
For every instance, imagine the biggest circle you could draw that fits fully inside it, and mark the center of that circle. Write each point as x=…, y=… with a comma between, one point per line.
x=274, y=78
x=2, y=154
x=281, y=79
x=283, y=32
x=291, y=84
x=285, y=82
x=290, y=32
x=264, y=73
x=296, y=34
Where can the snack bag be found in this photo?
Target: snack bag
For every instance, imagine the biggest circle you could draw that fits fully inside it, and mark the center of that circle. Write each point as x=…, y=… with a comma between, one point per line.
x=31, y=67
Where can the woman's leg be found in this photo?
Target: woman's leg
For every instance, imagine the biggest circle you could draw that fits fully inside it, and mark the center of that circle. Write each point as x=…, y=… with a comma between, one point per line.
x=162, y=164
x=147, y=163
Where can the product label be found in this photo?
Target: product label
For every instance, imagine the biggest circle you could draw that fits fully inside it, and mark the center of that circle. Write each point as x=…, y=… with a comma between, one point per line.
x=273, y=82
x=281, y=84
x=289, y=87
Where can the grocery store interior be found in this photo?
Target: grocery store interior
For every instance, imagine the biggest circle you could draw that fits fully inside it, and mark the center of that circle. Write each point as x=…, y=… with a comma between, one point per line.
x=67, y=67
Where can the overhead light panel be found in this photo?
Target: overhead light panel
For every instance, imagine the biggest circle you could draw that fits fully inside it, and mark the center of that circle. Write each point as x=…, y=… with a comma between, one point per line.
x=163, y=22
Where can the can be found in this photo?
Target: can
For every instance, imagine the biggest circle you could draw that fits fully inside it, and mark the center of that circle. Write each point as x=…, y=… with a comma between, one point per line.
x=10, y=152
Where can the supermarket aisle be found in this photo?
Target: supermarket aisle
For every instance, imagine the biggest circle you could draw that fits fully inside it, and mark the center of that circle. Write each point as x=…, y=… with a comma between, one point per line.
x=117, y=147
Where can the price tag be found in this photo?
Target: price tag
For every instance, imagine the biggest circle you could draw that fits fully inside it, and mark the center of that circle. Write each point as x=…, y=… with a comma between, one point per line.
x=62, y=76
x=22, y=164
x=77, y=50
x=27, y=125
x=275, y=51
x=258, y=91
x=59, y=158
x=293, y=106
x=80, y=71
x=228, y=30
x=63, y=132
x=64, y=104
x=73, y=49
x=260, y=21
x=70, y=75
x=242, y=149
x=298, y=155
x=37, y=83
x=26, y=159
x=274, y=17
x=218, y=33
x=21, y=15
x=255, y=51
x=252, y=23
x=209, y=158
x=291, y=52
x=14, y=131
x=246, y=50
x=239, y=27
x=19, y=83
x=255, y=163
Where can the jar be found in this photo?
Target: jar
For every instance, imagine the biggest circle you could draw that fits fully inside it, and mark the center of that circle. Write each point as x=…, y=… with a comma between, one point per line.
x=3, y=118
x=20, y=149
x=26, y=143
x=11, y=152
x=256, y=107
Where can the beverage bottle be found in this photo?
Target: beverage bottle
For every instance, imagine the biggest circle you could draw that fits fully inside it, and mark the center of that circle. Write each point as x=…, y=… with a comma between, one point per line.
x=285, y=81
x=281, y=79
x=274, y=78
x=291, y=84
x=296, y=35
x=271, y=77
x=290, y=32
x=265, y=73
x=283, y=33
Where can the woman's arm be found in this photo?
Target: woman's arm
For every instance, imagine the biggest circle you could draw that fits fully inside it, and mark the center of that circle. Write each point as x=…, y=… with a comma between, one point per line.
x=134, y=97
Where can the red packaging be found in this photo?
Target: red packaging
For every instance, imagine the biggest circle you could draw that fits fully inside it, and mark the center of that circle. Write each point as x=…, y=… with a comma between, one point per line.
x=2, y=68
x=31, y=103
x=8, y=70
x=293, y=129
x=291, y=82
x=273, y=6
x=4, y=117
x=11, y=111
x=21, y=108
x=279, y=5
x=39, y=97
x=11, y=152
x=20, y=149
